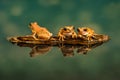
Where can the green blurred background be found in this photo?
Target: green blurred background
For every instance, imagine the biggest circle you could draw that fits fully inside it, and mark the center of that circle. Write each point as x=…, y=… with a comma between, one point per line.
x=102, y=63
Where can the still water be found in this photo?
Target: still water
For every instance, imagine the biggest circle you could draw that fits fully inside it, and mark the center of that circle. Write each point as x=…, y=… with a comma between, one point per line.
x=20, y=63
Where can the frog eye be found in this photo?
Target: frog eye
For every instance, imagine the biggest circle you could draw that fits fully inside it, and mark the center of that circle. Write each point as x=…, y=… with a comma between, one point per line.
x=73, y=27
x=64, y=29
x=85, y=29
x=30, y=24
x=78, y=29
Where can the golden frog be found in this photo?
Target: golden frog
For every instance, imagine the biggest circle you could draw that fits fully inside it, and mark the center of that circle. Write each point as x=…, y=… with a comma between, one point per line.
x=67, y=31
x=86, y=32
x=39, y=32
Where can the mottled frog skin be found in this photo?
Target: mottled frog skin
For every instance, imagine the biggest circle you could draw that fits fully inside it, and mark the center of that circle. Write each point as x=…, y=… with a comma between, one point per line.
x=39, y=32
x=67, y=31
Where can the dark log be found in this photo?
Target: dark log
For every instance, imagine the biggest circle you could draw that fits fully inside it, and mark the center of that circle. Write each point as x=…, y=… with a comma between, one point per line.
x=55, y=41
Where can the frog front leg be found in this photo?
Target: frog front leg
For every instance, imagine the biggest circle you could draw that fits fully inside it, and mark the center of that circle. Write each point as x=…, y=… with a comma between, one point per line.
x=61, y=37
x=74, y=35
x=34, y=35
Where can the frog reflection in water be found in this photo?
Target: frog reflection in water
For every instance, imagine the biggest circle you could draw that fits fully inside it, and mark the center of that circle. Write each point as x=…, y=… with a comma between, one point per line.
x=39, y=32
x=67, y=32
x=39, y=49
x=67, y=50
x=86, y=33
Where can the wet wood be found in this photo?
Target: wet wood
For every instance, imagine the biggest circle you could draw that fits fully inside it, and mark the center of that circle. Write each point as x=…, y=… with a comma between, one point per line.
x=55, y=41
